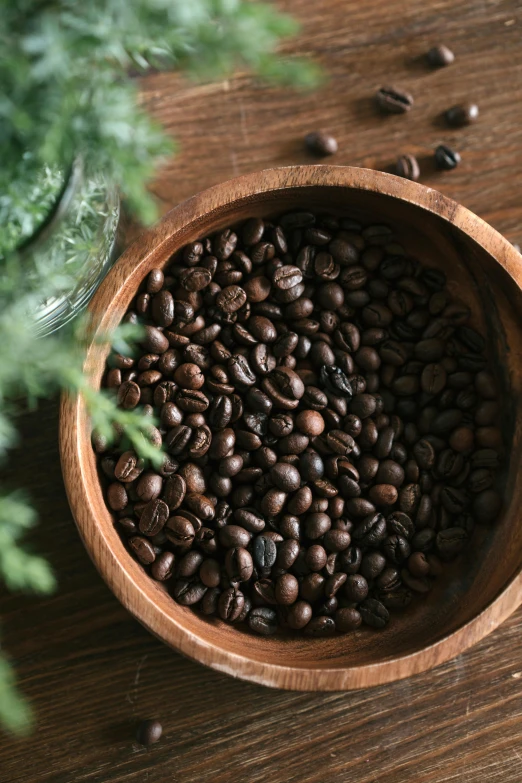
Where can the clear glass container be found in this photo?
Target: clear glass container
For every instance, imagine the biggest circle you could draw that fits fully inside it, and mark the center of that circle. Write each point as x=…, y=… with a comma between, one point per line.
x=72, y=219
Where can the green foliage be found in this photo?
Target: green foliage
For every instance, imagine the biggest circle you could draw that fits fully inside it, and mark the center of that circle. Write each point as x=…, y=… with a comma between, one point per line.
x=15, y=712
x=66, y=92
x=64, y=65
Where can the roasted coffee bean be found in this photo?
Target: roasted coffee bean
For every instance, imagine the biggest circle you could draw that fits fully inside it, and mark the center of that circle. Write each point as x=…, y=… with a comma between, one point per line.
x=149, y=731
x=320, y=626
x=440, y=55
x=298, y=615
x=264, y=551
x=321, y=143
x=162, y=568
x=250, y=519
x=286, y=590
x=129, y=394
x=190, y=563
x=154, y=517
x=230, y=604
x=210, y=572
x=371, y=531
x=462, y=114
x=407, y=167
x=287, y=553
x=209, y=602
x=451, y=542
x=446, y=158
x=374, y=613
x=143, y=549
x=392, y=100
x=263, y=620
x=117, y=497
x=285, y=477
x=355, y=588
x=347, y=619
x=180, y=531
x=239, y=564
x=128, y=467
x=383, y=495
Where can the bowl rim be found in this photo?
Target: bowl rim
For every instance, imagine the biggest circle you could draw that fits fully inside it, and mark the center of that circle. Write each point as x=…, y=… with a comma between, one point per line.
x=72, y=437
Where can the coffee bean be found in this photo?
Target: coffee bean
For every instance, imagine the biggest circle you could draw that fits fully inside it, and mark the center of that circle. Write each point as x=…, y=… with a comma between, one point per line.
x=180, y=531
x=189, y=564
x=446, y=158
x=392, y=100
x=264, y=552
x=320, y=626
x=263, y=620
x=300, y=501
x=451, y=542
x=371, y=531
x=154, y=517
x=210, y=572
x=149, y=731
x=298, y=615
x=356, y=588
x=143, y=549
x=162, y=568
x=315, y=557
x=230, y=604
x=239, y=564
x=117, y=497
x=407, y=167
x=347, y=619
x=374, y=613
x=286, y=590
x=321, y=143
x=462, y=114
x=440, y=55
x=433, y=378
x=129, y=394
x=418, y=564
x=383, y=494
x=285, y=477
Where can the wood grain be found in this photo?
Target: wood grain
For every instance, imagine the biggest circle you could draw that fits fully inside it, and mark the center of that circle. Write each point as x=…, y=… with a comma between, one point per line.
x=89, y=668
x=480, y=590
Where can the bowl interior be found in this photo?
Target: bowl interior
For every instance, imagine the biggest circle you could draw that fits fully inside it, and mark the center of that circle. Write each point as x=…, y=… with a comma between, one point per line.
x=494, y=555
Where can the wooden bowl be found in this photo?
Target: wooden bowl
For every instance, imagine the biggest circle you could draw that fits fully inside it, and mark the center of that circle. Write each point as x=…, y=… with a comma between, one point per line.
x=481, y=589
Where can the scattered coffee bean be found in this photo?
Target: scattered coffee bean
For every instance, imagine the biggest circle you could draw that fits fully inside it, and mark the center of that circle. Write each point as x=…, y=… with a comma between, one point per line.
x=149, y=731
x=446, y=158
x=408, y=167
x=329, y=421
x=462, y=114
x=321, y=143
x=392, y=100
x=439, y=56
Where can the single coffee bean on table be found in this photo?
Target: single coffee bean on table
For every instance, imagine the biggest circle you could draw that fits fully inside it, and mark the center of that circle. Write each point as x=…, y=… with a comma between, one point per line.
x=149, y=731
x=440, y=56
x=408, y=167
x=462, y=114
x=393, y=100
x=321, y=143
x=446, y=159
x=329, y=424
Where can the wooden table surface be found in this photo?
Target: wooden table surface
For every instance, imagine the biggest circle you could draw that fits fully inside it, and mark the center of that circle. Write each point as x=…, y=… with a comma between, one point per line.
x=90, y=670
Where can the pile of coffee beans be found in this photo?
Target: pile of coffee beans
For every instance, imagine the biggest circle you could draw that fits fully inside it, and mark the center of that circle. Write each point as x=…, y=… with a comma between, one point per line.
x=328, y=420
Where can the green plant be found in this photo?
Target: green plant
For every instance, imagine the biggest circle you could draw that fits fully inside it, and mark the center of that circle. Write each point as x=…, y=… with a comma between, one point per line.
x=64, y=68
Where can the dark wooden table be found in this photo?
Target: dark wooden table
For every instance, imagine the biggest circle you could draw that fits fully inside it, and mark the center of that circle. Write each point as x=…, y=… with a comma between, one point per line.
x=90, y=670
